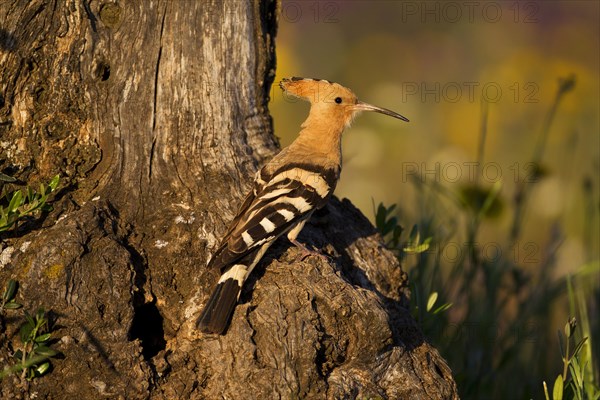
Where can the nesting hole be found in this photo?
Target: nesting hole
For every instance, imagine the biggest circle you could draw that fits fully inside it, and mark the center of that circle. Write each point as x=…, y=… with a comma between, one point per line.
x=147, y=326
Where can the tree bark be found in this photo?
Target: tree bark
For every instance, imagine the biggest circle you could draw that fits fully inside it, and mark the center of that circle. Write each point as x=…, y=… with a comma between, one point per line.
x=155, y=115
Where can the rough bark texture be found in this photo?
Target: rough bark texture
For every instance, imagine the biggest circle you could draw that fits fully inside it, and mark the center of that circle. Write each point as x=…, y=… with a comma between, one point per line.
x=155, y=115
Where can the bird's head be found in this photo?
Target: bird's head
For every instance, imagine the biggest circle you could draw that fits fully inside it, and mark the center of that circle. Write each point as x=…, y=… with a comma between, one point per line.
x=330, y=101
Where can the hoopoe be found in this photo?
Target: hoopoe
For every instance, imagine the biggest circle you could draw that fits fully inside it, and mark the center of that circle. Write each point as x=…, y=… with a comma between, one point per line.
x=287, y=190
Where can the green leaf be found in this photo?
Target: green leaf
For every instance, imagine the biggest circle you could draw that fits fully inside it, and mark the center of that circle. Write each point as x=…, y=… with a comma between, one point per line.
x=29, y=319
x=43, y=350
x=42, y=369
x=6, y=178
x=415, y=248
x=579, y=346
x=25, y=332
x=591, y=268
x=423, y=246
x=54, y=183
x=18, y=355
x=557, y=391
x=12, y=305
x=442, y=308
x=11, y=290
x=389, y=225
x=575, y=375
x=395, y=239
x=380, y=216
x=15, y=202
x=43, y=338
x=30, y=194
x=431, y=300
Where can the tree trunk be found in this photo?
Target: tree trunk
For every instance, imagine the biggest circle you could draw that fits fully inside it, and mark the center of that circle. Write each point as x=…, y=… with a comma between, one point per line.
x=155, y=115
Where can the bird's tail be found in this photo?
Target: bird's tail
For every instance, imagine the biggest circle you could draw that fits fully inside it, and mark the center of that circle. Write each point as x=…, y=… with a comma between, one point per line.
x=217, y=312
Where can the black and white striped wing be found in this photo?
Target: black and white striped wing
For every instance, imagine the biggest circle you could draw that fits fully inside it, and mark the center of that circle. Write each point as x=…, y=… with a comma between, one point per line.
x=275, y=206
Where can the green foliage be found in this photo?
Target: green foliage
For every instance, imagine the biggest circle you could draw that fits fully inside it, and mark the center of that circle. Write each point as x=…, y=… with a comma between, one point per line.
x=387, y=225
x=574, y=382
x=6, y=178
x=414, y=245
x=8, y=297
x=20, y=203
x=578, y=366
x=503, y=292
x=432, y=301
x=33, y=356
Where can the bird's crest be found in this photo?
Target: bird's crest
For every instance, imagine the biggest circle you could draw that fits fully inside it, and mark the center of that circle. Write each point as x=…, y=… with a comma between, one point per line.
x=316, y=90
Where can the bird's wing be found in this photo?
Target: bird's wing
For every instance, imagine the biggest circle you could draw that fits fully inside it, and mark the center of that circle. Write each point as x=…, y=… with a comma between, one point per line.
x=274, y=206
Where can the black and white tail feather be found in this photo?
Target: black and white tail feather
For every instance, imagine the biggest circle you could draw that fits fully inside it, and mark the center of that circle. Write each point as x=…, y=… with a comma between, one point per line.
x=281, y=202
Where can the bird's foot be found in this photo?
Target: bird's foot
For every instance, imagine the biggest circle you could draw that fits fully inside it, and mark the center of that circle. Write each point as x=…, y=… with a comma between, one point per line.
x=306, y=252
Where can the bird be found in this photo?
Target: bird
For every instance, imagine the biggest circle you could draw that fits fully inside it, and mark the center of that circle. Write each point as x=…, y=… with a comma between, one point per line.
x=286, y=191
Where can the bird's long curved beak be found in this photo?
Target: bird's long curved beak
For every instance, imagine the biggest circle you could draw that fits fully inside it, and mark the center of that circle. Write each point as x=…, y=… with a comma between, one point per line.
x=360, y=106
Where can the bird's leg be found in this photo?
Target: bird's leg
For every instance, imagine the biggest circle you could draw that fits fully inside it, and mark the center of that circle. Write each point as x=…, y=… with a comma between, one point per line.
x=305, y=251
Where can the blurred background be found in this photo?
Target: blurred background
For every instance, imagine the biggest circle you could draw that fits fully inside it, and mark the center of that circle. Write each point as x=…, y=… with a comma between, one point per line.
x=499, y=170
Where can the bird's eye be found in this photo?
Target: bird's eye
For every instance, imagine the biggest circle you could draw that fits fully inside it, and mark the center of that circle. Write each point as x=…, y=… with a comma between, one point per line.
x=338, y=100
